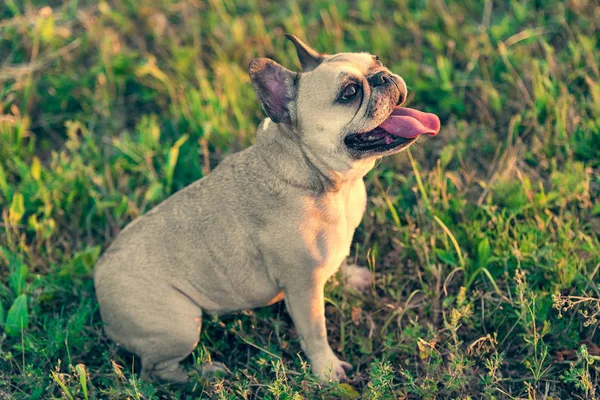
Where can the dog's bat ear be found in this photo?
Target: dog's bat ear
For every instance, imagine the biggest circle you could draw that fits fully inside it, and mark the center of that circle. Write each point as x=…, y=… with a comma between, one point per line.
x=275, y=87
x=309, y=57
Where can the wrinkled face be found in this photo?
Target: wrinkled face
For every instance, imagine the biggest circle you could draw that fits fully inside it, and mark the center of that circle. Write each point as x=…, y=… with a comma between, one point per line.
x=343, y=107
x=341, y=103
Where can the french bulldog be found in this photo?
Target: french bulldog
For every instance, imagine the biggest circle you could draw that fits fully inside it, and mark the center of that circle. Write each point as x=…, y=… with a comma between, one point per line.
x=272, y=222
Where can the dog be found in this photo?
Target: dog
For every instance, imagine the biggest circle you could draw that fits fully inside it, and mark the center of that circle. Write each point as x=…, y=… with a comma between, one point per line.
x=272, y=222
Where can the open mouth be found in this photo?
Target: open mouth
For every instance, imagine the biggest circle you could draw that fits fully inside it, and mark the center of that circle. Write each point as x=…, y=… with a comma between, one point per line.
x=400, y=129
x=377, y=139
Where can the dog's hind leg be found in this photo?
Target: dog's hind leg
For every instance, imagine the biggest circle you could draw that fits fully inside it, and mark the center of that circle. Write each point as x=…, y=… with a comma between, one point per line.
x=161, y=330
x=162, y=353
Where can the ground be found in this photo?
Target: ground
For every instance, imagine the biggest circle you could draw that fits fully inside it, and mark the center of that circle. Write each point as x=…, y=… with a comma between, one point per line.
x=483, y=241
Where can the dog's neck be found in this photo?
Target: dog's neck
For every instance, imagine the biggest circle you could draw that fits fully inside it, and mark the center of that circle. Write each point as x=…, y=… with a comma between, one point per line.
x=289, y=159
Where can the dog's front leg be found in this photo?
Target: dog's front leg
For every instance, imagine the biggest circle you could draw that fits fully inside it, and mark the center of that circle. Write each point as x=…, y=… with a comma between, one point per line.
x=306, y=304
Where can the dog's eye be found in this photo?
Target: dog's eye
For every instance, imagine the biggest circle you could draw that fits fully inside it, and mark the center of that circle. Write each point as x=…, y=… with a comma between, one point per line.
x=378, y=61
x=350, y=92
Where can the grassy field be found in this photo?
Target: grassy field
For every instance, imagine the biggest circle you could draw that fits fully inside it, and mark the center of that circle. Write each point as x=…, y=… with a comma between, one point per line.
x=484, y=240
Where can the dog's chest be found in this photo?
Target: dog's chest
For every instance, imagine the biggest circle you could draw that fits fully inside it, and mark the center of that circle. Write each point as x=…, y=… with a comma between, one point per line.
x=346, y=208
x=339, y=214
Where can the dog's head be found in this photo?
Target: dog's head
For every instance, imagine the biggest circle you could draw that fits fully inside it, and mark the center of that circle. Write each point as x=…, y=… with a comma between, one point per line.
x=344, y=107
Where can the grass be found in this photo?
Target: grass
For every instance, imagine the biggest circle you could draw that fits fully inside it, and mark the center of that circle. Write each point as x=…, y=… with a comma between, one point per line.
x=484, y=240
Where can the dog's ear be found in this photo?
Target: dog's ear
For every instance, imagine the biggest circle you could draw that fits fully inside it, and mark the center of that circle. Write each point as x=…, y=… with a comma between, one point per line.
x=275, y=87
x=309, y=57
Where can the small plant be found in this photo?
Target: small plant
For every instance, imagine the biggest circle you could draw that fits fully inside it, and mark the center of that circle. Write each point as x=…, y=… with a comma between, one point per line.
x=537, y=361
x=381, y=383
x=591, y=313
x=579, y=374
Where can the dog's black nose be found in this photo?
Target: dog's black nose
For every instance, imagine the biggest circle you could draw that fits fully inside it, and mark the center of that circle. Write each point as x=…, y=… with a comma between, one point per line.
x=378, y=79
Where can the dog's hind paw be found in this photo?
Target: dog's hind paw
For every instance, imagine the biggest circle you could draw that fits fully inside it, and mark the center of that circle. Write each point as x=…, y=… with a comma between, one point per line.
x=358, y=278
x=172, y=373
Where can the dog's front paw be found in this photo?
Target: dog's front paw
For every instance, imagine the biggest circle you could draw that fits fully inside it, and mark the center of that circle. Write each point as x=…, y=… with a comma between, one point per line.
x=331, y=369
x=358, y=278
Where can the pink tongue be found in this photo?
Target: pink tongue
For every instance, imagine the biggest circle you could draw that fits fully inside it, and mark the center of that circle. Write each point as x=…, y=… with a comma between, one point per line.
x=410, y=123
